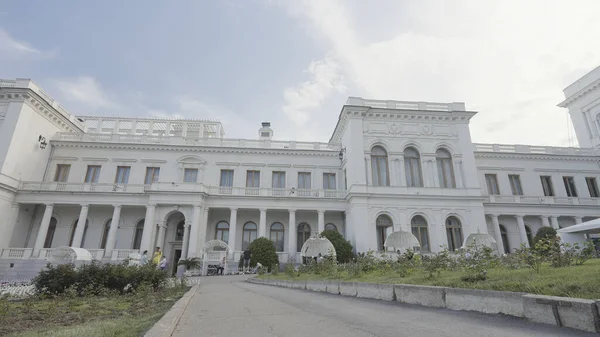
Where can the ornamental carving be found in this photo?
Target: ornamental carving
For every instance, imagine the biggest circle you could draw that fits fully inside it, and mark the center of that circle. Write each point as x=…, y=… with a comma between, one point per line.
x=394, y=129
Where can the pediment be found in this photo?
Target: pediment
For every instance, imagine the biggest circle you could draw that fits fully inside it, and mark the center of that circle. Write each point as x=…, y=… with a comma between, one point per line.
x=191, y=160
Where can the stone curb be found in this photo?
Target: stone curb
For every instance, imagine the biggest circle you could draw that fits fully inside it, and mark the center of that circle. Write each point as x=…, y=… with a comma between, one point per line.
x=166, y=325
x=575, y=313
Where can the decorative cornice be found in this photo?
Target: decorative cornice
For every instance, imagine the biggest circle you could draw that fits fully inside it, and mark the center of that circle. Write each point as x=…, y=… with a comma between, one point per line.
x=158, y=161
x=254, y=164
x=567, y=171
x=227, y=164
x=589, y=88
x=199, y=149
x=505, y=155
x=497, y=168
x=279, y=165
x=38, y=104
x=304, y=166
x=125, y=160
x=63, y=158
x=329, y=167
x=93, y=159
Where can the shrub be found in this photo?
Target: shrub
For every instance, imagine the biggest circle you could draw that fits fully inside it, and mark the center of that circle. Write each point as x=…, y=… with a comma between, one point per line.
x=263, y=252
x=290, y=270
x=531, y=257
x=434, y=264
x=475, y=261
x=543, y=233
x=588, y=251
x=55, y=280
x=190, y=263
x=343, y=248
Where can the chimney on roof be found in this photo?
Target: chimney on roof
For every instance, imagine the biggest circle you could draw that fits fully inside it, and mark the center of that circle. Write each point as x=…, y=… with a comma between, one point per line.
x=265, y=132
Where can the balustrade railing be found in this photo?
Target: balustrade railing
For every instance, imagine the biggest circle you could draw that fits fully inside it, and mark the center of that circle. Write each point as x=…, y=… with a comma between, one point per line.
x=536, y=200
x=16, y=253
x=532, y=149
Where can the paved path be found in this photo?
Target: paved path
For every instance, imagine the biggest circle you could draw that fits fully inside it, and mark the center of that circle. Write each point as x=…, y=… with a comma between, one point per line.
x=227, y=306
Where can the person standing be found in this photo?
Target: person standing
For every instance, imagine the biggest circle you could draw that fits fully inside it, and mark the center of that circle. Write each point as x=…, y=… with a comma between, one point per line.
x=144, y=258
x=247, y=256
x=163, y=263
x=157, y=256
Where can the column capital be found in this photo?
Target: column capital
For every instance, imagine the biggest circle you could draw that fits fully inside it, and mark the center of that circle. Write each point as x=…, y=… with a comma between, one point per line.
x=321, y=211
x=292, y=210
x=263, y=209
x=197, y=206
x=50, y=205
x=233, y=209
x=545, y=216
x=519, y=216
x=85, y=205
x=117, y=206
x=493, y=216
x=15, y=205
x=151, y=205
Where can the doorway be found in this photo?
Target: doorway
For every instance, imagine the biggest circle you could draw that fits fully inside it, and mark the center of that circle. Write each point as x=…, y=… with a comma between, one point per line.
x=176, y=257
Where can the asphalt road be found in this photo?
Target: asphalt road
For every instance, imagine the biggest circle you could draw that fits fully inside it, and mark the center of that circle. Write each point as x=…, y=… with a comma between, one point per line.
x=227, y=306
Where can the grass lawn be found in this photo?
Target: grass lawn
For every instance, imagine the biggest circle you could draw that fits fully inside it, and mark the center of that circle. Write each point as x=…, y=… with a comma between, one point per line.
x=574, y=281
x=126, y=316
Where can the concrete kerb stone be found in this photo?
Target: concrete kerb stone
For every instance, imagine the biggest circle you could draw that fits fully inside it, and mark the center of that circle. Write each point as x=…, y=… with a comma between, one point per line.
x=348, y=289
x=422, y=295
x=166, y=325
x=333, y=287
x=574, y=313
x=375, y=291
x=486, y=301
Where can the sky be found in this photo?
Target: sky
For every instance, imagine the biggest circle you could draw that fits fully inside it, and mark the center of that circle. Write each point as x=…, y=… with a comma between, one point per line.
x=294, y=63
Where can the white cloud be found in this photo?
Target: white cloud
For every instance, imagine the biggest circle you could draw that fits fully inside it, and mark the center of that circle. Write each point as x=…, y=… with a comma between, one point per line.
x=509, y=60
x=10, y=45
x=84, y=94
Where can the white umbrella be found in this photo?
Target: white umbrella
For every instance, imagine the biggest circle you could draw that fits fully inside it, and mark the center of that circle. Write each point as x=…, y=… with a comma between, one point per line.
x=401, y=240
x=480, y=240
x=315, y=246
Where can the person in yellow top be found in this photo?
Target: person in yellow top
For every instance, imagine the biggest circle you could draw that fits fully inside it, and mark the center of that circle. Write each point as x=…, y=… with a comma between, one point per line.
x=157, y=256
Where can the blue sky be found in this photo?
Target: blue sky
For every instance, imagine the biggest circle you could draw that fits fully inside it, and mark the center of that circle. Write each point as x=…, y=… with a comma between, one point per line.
x=295, y=62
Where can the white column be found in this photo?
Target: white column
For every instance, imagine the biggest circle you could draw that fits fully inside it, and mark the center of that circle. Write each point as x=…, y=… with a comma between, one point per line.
x=522, y=231
x=578, y=220
x=202, y=230
x=554, y=222
x=148, y=229
x=458, y=172
x=6, y=235
x=498, y=234
x=160, y=239
x=401, y=174
x=369, y=171
x=232, y=229
x=41, y=236
x=193, y=248
x=321, y=221
x=292, y=249
x=80, y=226
x=112, y=232
x=545, y=221
x=186, y=240
x=262, y=227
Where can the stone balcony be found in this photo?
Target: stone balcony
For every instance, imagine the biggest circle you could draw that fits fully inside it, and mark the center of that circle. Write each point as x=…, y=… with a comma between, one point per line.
x=162, y=187
x=535, y=200
x=531, y=149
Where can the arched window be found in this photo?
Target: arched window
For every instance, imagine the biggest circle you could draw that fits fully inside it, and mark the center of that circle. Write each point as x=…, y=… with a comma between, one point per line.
x=179, y=230
x=222, y=231
x=105, y=234
x=137, y=236
x=454, y=233
x=50, y=234
x=504, y=237
x=383, y=224
x=74, y=229
x=249, y=235
x=276, y=236
x=418, y=225
x=379, y=166
x=303, y=235
x=529, y=235
x=444, y=167
x=412, y=166
x=331, y=227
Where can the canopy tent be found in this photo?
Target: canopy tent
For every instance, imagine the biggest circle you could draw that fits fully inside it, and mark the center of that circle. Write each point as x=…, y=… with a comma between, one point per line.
x=213, y=252
x=478, y=240
x=577, y=233
x=401, y=240
x=315, y=246
x=63, y=255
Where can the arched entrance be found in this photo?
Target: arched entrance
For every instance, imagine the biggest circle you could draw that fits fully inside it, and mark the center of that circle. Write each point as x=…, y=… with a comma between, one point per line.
x=173, y=235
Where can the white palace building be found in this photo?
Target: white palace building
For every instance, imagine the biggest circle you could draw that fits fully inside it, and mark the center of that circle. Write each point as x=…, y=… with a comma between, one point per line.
x=120, y=185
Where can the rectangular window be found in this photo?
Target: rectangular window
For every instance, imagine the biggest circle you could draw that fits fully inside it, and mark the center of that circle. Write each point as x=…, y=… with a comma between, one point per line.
x=304, y=182
x=190, y=175
x=278, y=179
x=592, y=187
x=152, y=174
x=253, y=179
x=226, y=178
x=570, y=186
x=515, y=184
x=93, y=173
x=122, y=176
x=62, y=172
x=329, y=181
x=492, y=184
x=547, y=186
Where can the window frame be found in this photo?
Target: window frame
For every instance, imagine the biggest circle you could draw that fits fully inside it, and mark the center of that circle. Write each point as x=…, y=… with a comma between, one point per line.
x=413, y=170
x=380, y=164
x=381, y=230
x=124, y=176
x=60, y=175
x=547, y=186
x=515, y=184
x=281, y=177
x=220, y=232
x=50, y=233
x=252, y=176
x=570, y=188
x=491, y=181
x=307, y=176
x=302, y=235
x=92, y=174
x=249, y=232
x=329, y=177
x=194, y=175
x=445, y=163
x=592, y=186
x=279, y=236
x=152, y=172
x=138, y=232
x=422, y=230
x=105, y=230
x=454, y=234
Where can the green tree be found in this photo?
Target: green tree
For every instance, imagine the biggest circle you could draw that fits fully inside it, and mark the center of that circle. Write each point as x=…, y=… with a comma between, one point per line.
x=263, y=252
x=343, y=248
x=545, y=234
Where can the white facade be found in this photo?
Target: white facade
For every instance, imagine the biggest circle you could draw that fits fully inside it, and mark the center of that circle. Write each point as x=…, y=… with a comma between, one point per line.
x=176, y=184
